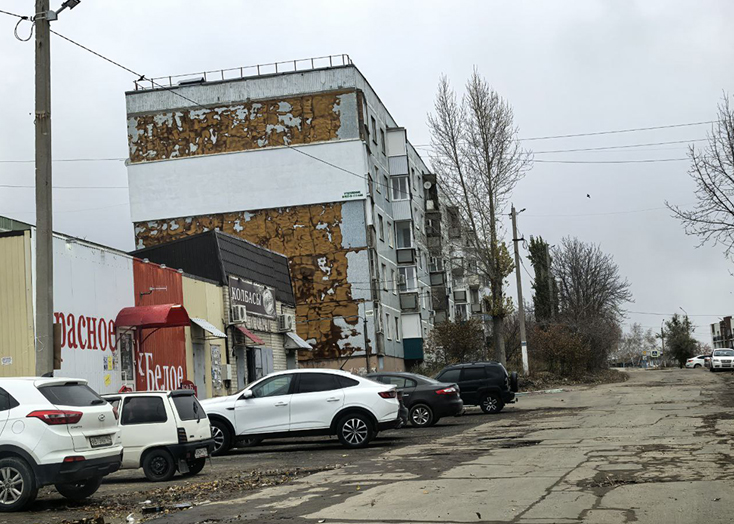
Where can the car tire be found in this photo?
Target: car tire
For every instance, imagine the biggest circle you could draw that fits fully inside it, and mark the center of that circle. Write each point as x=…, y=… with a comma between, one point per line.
x=355, y=430
x=713, y=370
x=79, y=490
x=18, y=472
x=491, y=403
x=514, y=382
x=159, y=466
x=697, y=366
x=435, y=421
x=222, y=436
x=421, y=416
x=248, y=442
x=195, y=466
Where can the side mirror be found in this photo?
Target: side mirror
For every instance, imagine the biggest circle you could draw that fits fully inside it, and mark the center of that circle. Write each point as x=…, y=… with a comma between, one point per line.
x=247, y=394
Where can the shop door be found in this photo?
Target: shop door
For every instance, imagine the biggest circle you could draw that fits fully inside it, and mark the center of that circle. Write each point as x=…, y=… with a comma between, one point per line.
x=199, y=369
x=127, y=362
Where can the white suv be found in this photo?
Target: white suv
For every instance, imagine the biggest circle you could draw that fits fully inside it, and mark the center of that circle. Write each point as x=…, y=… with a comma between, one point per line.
x=54, y=431
x=304, y=402
x=163, y=432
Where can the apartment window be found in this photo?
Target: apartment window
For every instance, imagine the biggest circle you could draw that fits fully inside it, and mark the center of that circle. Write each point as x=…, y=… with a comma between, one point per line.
x=474, y=293
x=386, y=185
x=397, y=329
x=425, y=261
x=412, y=175
x=404, y=234
x=382, y=141
x=374, y=130
x=381, y=224
x=436, y=264
x=394, y=281
x=384, y=277
x=400, y=189
x=408, y=281
x=420, y=263
x=388, y=327
x=370, y=185
x=390, y=235
x=377, y=178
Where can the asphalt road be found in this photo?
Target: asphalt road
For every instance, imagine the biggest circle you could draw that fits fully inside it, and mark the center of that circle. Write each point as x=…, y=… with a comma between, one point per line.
x=656, y=449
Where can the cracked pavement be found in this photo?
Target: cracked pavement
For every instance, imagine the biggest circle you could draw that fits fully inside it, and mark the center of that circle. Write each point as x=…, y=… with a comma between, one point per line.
x=655, y=449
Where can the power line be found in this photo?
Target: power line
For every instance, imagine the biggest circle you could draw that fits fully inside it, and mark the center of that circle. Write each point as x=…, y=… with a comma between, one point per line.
x=19, y=186
x=669, y=314
x=627, y=146
x=646, y=161
x=616, y=131
x=65, y=160
x=15, y=15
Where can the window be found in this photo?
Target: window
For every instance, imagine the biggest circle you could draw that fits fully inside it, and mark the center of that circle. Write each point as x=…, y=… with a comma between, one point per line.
x=400, y=189
x=394, y=281
x=495, y=372
x=374, y=129
x=413, y=177
x=314, y=382
x=389, y=326
x=436, y=264
x=384, y=277
x=397, y=329
x=408, y=280
x=71, y=394
x=420, y=260
x=473, y=374
x=461, y=311
x=381, y=223
x=404, y=234
x=474, y=293
x=7, y=401
x=143, y=410
x=273, y=387
x=377, y=178
x=370, y=185
x=386, y=185
x=188, y=407
x=450, y=376
x=382, y=141
x=390, y=235
x=346, y=382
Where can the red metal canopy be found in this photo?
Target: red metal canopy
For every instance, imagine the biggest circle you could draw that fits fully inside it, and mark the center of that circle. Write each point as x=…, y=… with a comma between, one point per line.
x=163, y=315
x=252, y=336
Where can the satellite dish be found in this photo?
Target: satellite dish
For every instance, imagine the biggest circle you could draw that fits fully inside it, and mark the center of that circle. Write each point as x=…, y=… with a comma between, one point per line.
x=427, y=185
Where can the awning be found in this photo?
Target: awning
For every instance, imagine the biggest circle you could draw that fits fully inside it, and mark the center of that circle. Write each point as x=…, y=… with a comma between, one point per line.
x=163, y=315
x=252, y=336
x=293, y=341
x=208, y=326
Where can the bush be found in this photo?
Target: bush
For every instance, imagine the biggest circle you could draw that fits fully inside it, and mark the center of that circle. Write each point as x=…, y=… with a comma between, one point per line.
x=560, y=350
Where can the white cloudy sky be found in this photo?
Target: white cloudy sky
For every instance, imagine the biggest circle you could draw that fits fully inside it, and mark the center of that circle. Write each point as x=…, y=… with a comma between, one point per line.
x=566, y=66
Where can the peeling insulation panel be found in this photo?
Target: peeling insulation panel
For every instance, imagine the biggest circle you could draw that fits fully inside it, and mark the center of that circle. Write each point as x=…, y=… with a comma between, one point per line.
x=319, y=256
x=243, y=126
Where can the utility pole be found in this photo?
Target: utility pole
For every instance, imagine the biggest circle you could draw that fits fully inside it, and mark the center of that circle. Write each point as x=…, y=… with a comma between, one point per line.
x=44, y=209
x=520, y=305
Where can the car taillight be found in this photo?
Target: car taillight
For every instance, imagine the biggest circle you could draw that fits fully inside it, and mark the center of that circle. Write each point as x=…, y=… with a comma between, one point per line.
x=75, y=458
x=446, y=391
x=690, y=360
x=388, y=394
x=182, y=439
x=56, y=417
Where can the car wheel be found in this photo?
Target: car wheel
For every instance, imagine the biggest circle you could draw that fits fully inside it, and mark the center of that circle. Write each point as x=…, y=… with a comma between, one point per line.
x=435, y=421
x=248, y=442
x=222, y=438
x=80, y=490
x=713, y=370
x=491, y=403
x=17, y=484
x=421, y=416
x=514, y=382
x=355, y=431
x=158, y=465
x=196, y=465
x=697, y=366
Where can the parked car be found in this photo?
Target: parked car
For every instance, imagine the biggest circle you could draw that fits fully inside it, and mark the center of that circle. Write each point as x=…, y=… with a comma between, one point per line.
x=483, y=384
x=163, y=432
x=426, y=399
x=696, y=362
x=722, y=359
x=304, y=402
x=54, y=431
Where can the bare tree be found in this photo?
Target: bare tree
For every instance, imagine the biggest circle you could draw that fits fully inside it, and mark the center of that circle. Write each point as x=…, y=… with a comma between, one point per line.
x=478, y=158
x=712, y=169
x=589, y=284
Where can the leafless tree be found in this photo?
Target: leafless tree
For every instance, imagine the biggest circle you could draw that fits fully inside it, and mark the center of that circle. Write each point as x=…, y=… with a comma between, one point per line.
x=478, y=159
x=712, y=169
x=589, y=284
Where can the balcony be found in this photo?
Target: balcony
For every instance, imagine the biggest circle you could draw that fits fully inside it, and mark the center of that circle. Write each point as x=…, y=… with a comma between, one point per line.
x=409, y=302
x=438, y=278
x=476, y=309
x=459, y=296
x=406, y=255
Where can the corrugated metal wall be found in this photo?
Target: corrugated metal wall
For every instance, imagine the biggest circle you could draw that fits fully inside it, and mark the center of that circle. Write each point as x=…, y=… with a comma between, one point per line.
x=17, y=355
x=162, y=362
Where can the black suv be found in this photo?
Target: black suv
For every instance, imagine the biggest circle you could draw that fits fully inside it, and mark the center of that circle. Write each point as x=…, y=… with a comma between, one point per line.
x=484, y=384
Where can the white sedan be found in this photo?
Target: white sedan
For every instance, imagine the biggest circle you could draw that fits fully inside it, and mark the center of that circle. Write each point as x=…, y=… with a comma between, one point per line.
x=722, y=359
x=696, y=362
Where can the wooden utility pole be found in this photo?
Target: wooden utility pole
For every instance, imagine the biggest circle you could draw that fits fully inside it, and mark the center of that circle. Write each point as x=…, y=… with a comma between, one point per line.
x=44, y=208
x=520, y=305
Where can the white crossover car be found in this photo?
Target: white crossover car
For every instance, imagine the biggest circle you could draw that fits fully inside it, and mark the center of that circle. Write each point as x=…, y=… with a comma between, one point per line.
x=304, y=402
x=696, y=362
x=163, y=432
x=54, y=431
x=722, y=359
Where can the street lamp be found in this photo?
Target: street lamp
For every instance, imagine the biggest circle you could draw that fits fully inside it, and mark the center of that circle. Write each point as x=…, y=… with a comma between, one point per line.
x=683, y=310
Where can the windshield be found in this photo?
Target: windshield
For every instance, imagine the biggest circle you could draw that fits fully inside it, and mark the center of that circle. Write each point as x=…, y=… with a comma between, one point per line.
x=724, y=353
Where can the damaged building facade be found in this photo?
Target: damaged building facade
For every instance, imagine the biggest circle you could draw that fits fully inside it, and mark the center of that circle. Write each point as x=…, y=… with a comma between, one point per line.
x=309, y=164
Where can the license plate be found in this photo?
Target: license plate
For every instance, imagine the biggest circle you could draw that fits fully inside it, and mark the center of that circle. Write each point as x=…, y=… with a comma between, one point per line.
x=98, y=442
x=201, y=453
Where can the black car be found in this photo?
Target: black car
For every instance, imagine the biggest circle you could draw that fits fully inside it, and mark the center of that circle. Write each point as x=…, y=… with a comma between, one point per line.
x=484, y=384
x=427, y=400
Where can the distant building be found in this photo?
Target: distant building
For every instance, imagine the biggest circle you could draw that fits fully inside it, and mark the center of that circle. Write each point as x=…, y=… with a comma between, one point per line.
x=721, y=334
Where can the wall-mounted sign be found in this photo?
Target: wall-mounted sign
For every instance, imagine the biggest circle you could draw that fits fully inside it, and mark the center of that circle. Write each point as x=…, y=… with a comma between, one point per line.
x=259, y=300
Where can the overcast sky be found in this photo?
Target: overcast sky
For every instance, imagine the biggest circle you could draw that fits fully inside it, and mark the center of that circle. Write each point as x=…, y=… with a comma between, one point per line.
x=566, y=67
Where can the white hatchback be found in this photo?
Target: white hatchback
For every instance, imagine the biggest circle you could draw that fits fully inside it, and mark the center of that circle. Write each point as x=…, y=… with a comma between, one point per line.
x=54, y=431
x=304, y=402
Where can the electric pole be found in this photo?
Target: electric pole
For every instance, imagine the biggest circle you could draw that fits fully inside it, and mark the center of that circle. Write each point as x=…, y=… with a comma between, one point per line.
x=520, y=305
x=44, y=204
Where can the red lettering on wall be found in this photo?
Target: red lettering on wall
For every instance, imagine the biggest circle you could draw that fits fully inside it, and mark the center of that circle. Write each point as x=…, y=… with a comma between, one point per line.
x=72, y=331
x=59, y=318
x=92, y=332
x=111, y=334
x=80, y=331
x=102, y=334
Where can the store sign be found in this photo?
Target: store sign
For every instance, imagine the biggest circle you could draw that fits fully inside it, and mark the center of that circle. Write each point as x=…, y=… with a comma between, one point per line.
x=259, y=300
